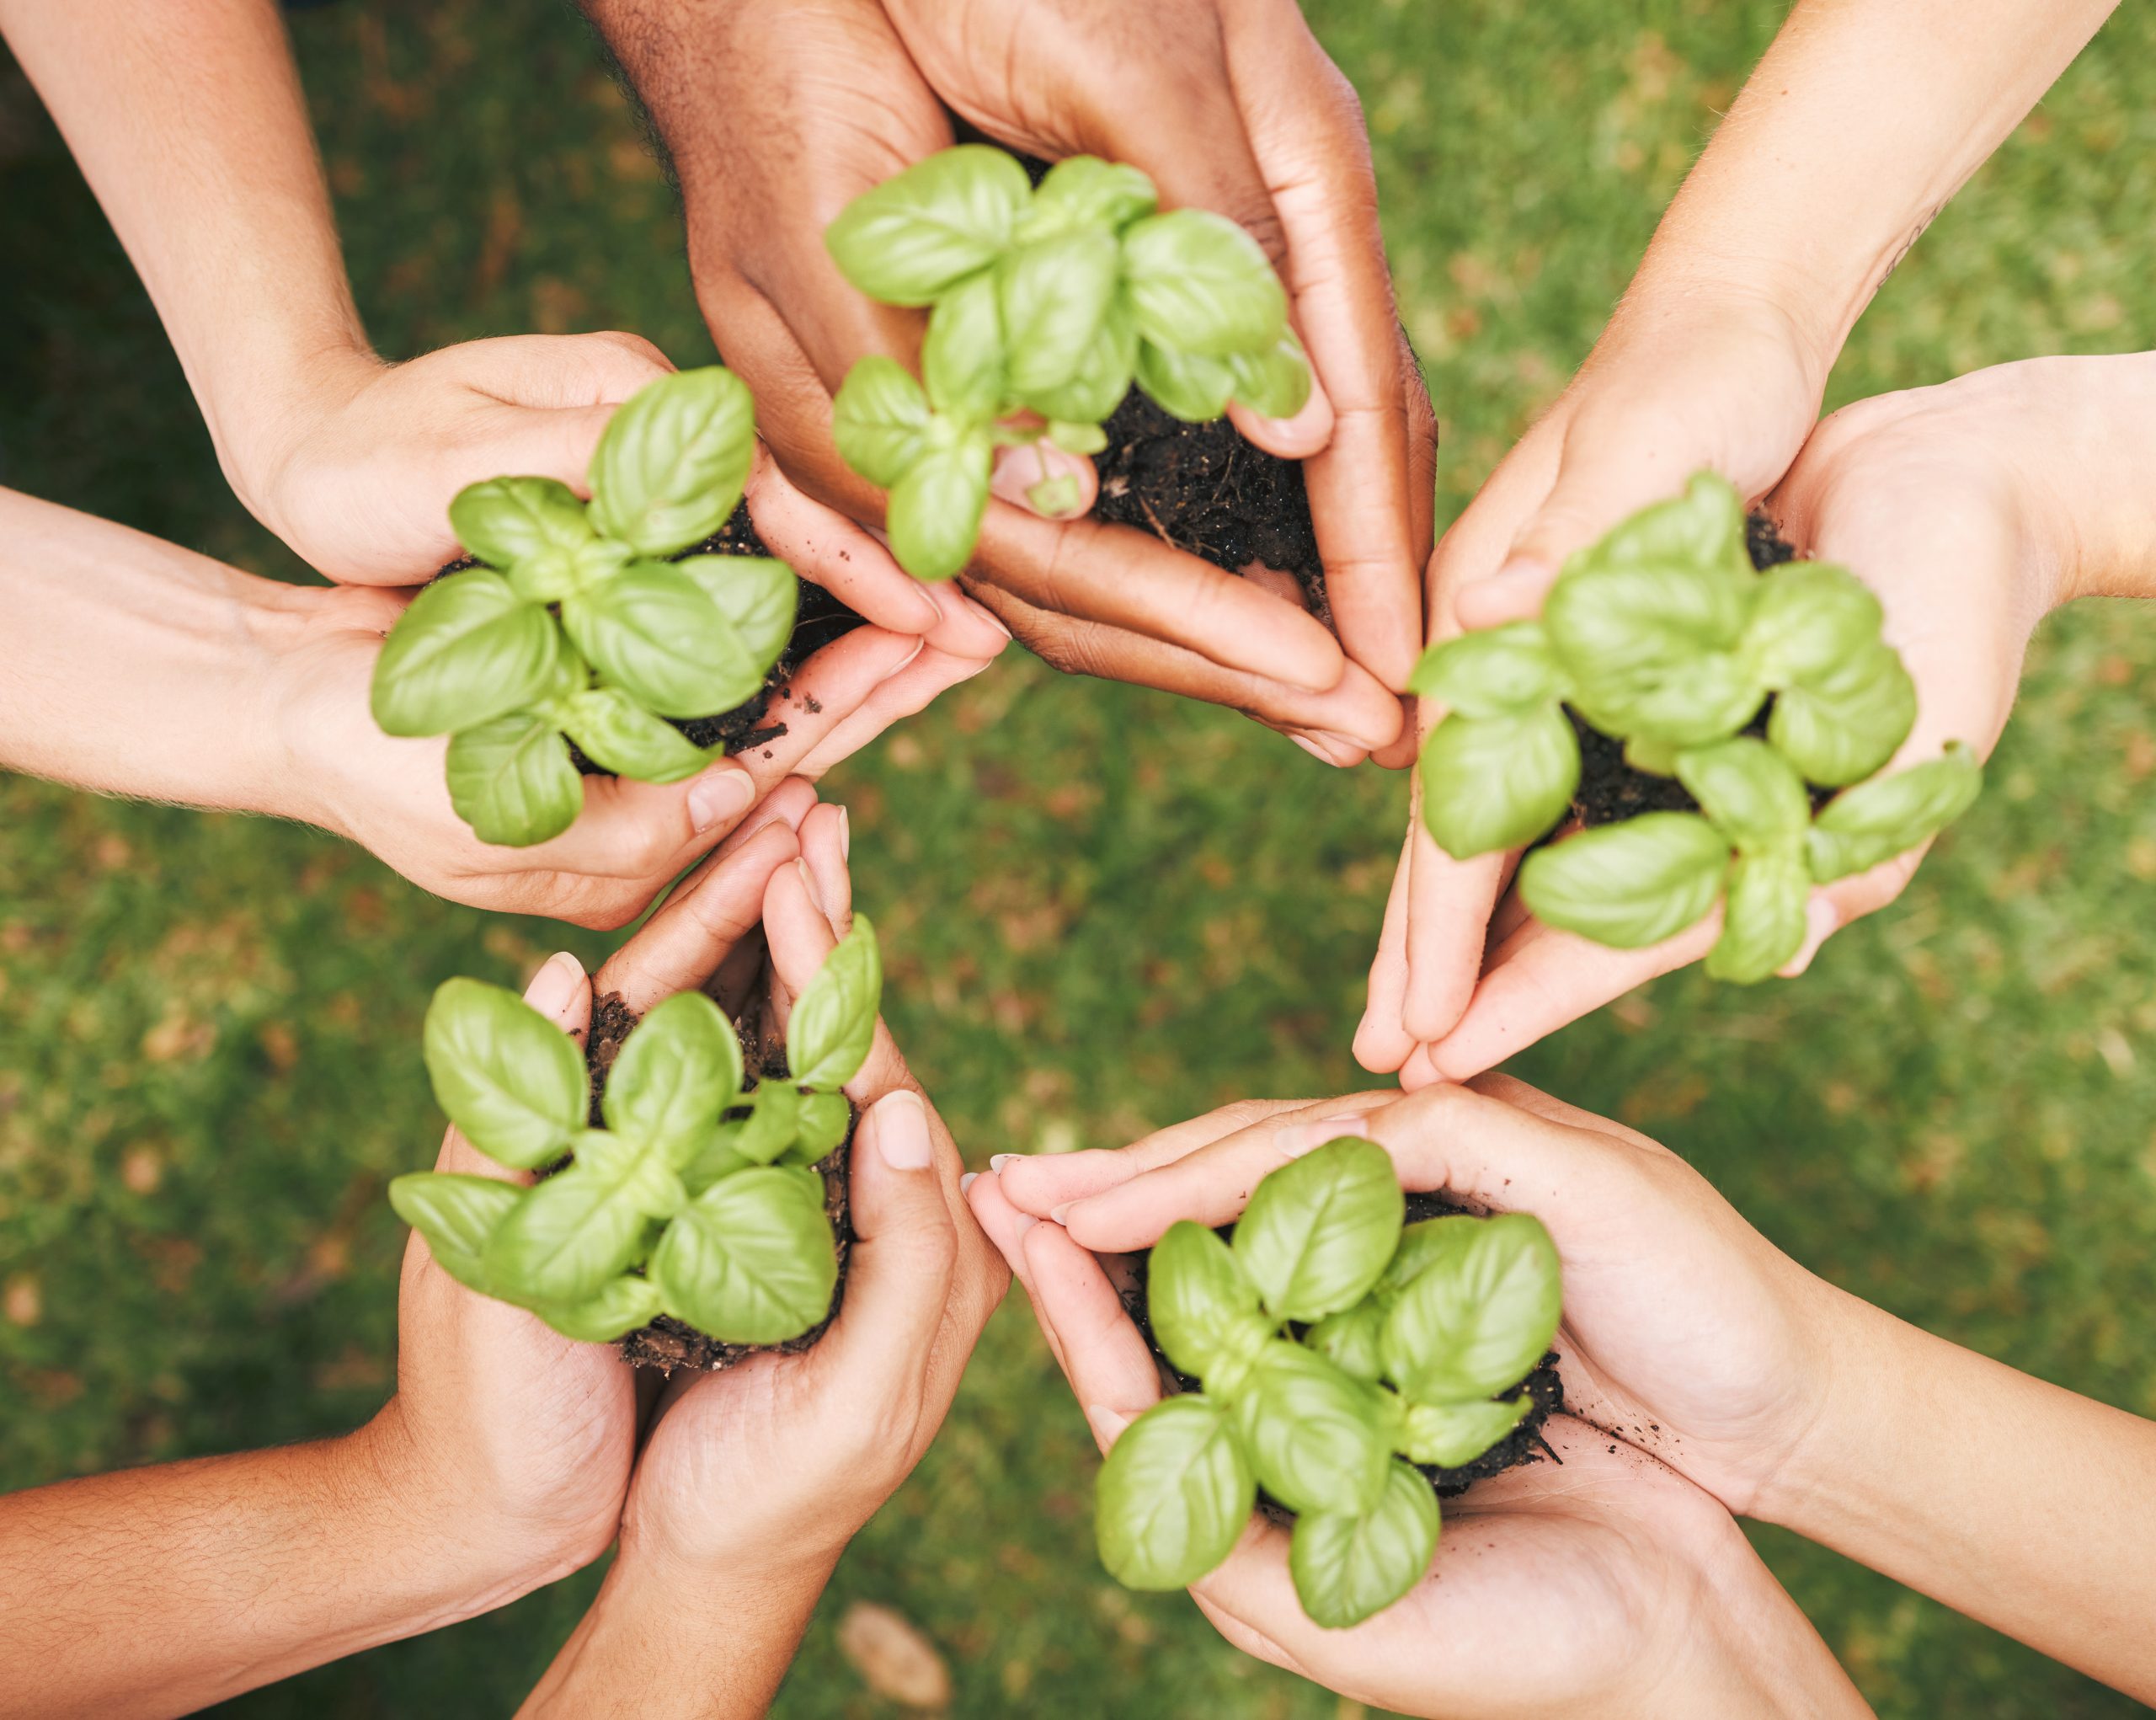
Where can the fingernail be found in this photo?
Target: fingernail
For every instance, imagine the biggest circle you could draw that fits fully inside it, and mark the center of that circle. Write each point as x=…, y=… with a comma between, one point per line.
x=845, y=835
x=919, y=646
x=997, y=1161
x=555, y=983
x=987, y=615
x=809, y=883
x=1821, y=922
x=1107, y=1424
x=899, y=1123
x=1307, y=1135
x=929, y=616
x=1344, y=748
x=1312, y=748
x=1061, y=1214
x=967, y=1180
x=720, y=796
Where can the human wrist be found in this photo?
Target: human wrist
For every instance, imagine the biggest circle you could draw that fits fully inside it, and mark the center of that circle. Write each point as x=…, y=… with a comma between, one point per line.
x=259, y=410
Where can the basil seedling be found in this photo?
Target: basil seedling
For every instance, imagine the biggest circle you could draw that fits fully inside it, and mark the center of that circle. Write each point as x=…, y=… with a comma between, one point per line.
x=1331, y=1340
x=577, y=624
x=1044, y=306
x=1663, y=636
x=696, y=1200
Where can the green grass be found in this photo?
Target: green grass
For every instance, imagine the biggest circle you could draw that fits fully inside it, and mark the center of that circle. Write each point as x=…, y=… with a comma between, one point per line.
x=1104, y=909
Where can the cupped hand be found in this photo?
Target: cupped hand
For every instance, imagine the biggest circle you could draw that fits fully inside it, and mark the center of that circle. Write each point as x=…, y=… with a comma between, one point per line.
x=823, y=101
x=1602, y=1576
x=512, y=1437
x=1954, y=503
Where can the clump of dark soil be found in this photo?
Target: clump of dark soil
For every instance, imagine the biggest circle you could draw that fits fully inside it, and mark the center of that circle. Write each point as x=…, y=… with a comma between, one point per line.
x=668, y=1344
x=1523, y=1444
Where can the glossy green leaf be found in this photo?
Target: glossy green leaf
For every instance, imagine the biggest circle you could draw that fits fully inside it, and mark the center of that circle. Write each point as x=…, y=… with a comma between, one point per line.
x=1056, y=498
x=879, y=420
x=1701, y=529
x=933, y=518
x=1502, y=671
x=1451, y=1434
x=621, y=1305
x=1183, y=384
x=505, y=520
x=1420, y=1243
x=1347, y=1568
x=1695, y=704
x=1078, y=438
x=1055, y=296
x=1811, y=618
x=512, y=781
x=1318, y=1231
x=964, y=362
x=1313, y=1433
x=1199, y=1298
x=1202, y=285
x=1764, y=917
x=655, y=632
x=1475, y=1320
x=584, y=1226
x=510, y=1079
x=1490, y=784
x=1657, y=758
x=1870, y=824
x=1353, y=1339
x=1273, y=381
x=618, y=734
x=1647, y=603
x=917, y=235
x=1174, y=1494
x=759, y=596
x=1749, y=790
x=751, y=1260
x=1082, y=191
x=456, y=1213
x=832, y=1022
x=824, y=1118
x=469, y=650
x=717, y=1159
x=677, y=1072
x=1629, y=884
x=1102, y=377
x=555, y=571
x=773, y=1124
x=671, y=463
x=1841, y=728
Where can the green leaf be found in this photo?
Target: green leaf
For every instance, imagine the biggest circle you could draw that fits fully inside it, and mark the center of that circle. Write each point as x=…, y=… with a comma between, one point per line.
x=1056, y=498
x=512, y=781
x=773, y=1124
x=1173, y=1496
x=1840, y=729
x=1318, y=1231
x=1077, y=438
x=584, y=1225
x=880, y=421
x=1764, y=920
x=751, y=1260
x=1201, y=284
x=678, y=1071
x=1503, y=671
x=917, y=235
x=933, y=517
x=1689, y=704
x=456, y=1213
x=1199, y=1298
x=1352, y=1340
x=621, y=1305
x=671, y=463
x=832, y=1022
x=1873, y=822
x=1184, y=385
x=824, y=1119
x=469, y=650
x=1082, y=191
x=717, y=1159
x=1748, y=791
x=1104, y=375
x=1054, y=295
x=511, y=1081
x=1347, y=1568
x=1629, y=884
x=1702, y=529
x=1657, y=758
x=1811, y=618
x=759, y=596
x=1420, y=1243
x=618, y=734
x=553, y=571
x=653, y=632
x=505, y=520
x=1475, y=1320
x=1450, y=1434
x=1491, y=784
x=1275, y=381
x=963, y=359
x=1314, y=1435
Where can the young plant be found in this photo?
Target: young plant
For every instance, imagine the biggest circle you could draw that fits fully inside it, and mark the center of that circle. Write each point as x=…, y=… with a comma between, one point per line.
x=1331, y=1342
x=1044, y=305
x=579, y=623
x=696, y=1200
x=1663, y=636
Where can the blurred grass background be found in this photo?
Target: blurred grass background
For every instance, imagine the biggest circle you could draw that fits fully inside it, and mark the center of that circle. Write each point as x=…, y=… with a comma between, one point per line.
x=1104, y=909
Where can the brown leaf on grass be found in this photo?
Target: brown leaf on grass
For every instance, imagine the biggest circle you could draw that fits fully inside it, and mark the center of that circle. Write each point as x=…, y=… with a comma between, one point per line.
x=892, y=1657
